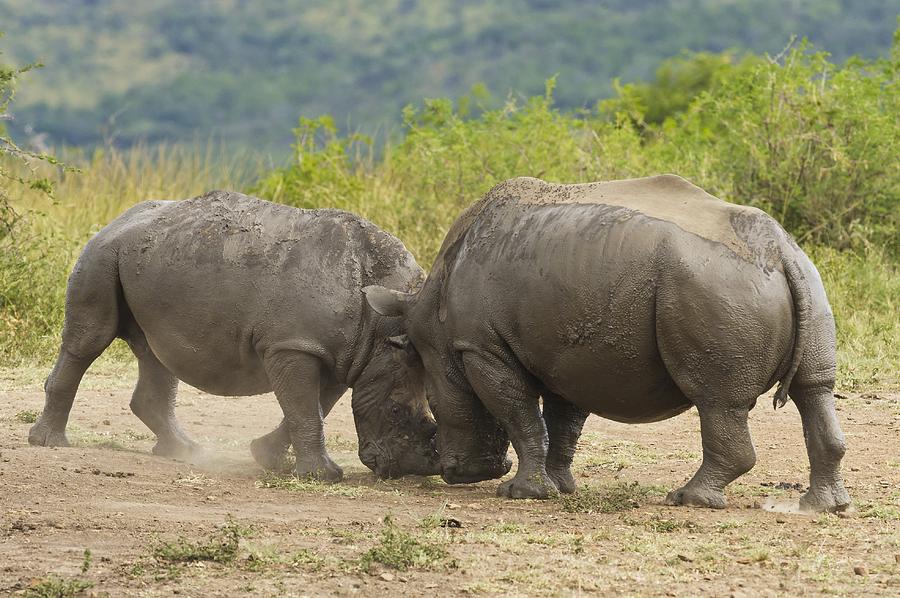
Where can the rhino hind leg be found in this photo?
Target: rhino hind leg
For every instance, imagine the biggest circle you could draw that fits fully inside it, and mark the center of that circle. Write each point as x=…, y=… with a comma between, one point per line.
x=295, y=377
x=727, y=454
x=270, y=451
x=60, y=389
x=153, y=400
x=825, y=447
x=509, y=397
x=564, y=423
x=91, y=324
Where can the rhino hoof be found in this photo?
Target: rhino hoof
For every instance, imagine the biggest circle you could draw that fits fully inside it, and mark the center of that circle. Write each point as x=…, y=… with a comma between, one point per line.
x=273, y=458
x=696, y=497
x=322, y=469
x=177, y=449
x=42, y=435
x=533, y=486
x=832, y=500
x=563, y=480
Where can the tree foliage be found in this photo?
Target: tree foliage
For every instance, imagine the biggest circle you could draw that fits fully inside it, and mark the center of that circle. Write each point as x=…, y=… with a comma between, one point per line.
x=16, y=164
x=169, y=70
x=811, y=142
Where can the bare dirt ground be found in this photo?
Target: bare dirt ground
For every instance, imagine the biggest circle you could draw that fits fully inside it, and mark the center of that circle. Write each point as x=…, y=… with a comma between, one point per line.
x=137, y=514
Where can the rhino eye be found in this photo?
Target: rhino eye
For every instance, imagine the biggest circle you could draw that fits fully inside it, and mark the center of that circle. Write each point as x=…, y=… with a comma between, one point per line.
x=396, y=412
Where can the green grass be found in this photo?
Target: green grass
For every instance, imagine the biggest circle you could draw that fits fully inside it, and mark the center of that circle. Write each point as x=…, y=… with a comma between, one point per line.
x=864, y=292
x=623, y=496
x=506, y=527
x=57, y=587
x=87, y=439
x=883, y=512
x=28, y=416
x=307, y=559
x=221, y=547
x=401, y=550
x=272, y=480
x=665, y=525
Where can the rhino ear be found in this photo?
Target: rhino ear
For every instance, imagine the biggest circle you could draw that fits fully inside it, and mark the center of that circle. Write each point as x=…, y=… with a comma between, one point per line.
x=386, y=301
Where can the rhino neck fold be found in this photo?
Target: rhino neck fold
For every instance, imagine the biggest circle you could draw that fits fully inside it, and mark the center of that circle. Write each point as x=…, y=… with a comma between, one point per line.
x=355, y=359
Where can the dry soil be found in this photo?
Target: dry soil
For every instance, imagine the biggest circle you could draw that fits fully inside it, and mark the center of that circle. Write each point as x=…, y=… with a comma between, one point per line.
x=108, y=495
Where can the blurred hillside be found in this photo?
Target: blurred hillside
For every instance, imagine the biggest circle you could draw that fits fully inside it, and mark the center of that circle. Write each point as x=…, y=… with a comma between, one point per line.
x=122, y=71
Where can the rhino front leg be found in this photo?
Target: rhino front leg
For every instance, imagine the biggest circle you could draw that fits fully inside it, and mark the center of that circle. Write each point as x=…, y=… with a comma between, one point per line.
x=270, y=450
x=153, y=401
x=507, y=394
x=564, y=422
x=295, y=378
x=825, y=447
x=727, y=453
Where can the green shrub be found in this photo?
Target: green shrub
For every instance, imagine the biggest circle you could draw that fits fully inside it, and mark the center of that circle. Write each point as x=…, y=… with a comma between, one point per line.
x=812, y=143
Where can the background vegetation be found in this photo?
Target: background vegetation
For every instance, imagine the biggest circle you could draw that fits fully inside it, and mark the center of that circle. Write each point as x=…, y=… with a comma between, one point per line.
x=811, y=141
x=167, y=70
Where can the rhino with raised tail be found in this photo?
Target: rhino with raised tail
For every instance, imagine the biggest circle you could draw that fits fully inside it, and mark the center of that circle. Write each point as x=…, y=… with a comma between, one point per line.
x=239, y=296
x=634, y=300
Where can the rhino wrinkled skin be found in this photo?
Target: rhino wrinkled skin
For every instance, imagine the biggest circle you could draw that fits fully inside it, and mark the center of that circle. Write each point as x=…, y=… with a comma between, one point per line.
x=239, y=296
x=634, y=300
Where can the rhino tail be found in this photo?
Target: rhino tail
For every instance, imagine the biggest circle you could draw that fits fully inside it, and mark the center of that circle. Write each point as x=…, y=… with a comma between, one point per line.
x=801, y=298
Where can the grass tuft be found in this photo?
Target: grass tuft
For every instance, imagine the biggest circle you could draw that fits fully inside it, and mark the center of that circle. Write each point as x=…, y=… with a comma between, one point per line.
x=295, y=484
x=611, y=499
x=27, y=416
x=57, y=587
x=401, y=550
x=663, y=525
x=307, y=559
x=87, y=439
x=883, y=512
x=222, y=547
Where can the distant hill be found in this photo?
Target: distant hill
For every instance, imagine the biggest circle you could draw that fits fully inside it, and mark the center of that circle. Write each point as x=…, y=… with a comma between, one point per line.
x=243, y=70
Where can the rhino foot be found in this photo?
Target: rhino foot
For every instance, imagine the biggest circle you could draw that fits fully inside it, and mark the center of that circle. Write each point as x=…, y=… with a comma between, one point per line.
x=321, y=469
x=563, y=480
x=696, y=496
x=830, y=499
x=535, y=485
x=271, y=456
x=42, y=434
x=177, y=448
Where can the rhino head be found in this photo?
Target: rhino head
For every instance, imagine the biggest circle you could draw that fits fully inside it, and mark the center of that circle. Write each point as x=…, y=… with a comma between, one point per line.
x=394, y=425
x=470, y=441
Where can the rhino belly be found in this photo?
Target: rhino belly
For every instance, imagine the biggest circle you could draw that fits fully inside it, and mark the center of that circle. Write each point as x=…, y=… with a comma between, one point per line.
x=219, y=366
x=617, y=382
x=629, y=399
x=203, y=347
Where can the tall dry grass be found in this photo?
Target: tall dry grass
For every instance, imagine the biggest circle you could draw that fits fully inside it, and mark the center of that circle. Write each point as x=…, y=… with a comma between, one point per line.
x=35, y=259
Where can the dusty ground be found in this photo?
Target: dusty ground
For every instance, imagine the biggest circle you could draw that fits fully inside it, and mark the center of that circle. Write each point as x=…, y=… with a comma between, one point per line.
x=111, y=497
